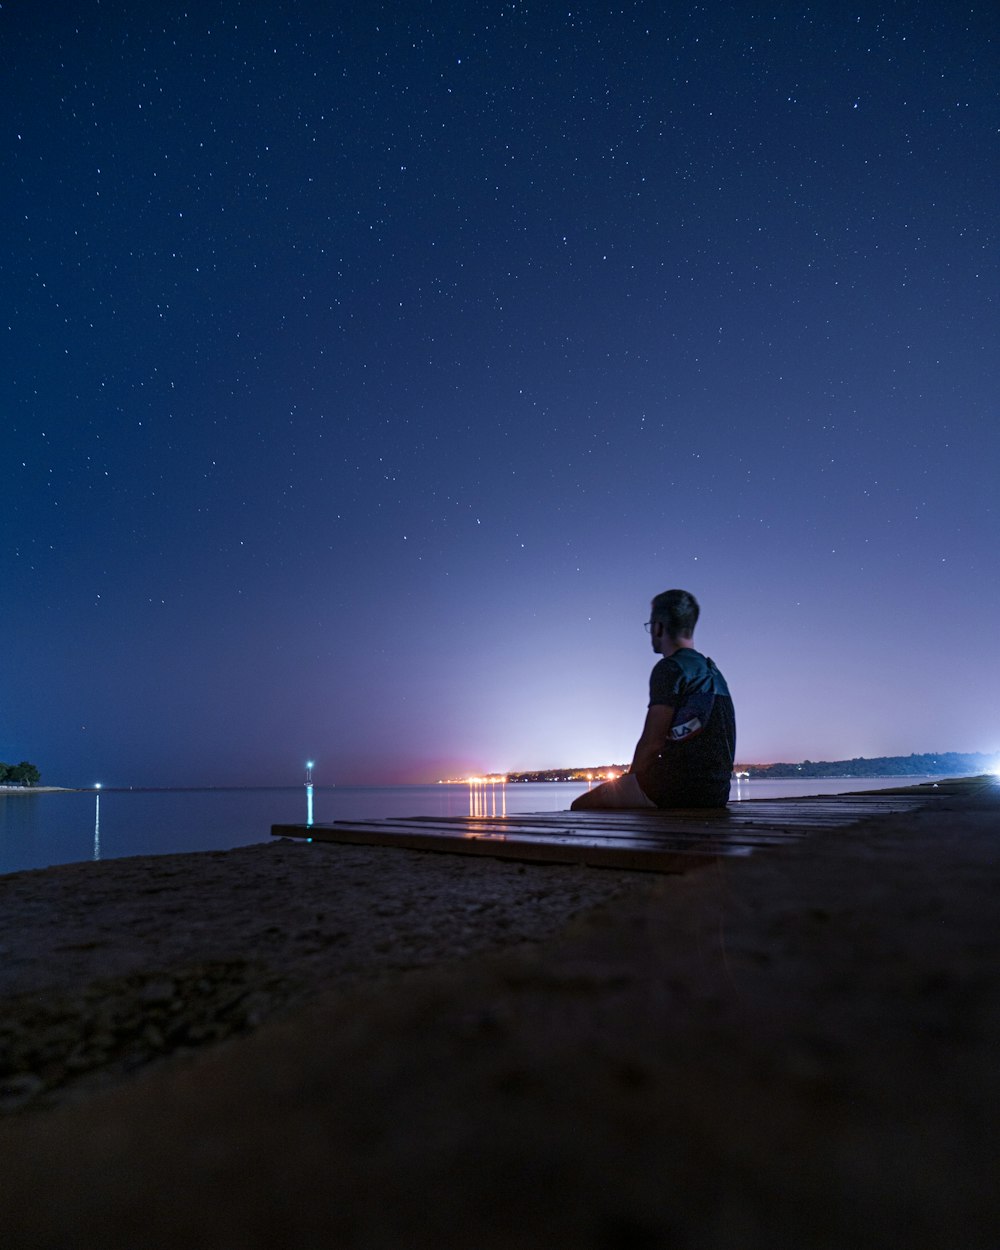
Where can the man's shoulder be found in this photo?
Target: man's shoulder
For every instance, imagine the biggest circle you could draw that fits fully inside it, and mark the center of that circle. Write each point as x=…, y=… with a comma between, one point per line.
x=687, y=659
x=694, y=669
x=665, y=665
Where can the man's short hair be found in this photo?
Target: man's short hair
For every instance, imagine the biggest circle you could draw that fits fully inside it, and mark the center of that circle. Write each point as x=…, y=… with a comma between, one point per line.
x=678, y=611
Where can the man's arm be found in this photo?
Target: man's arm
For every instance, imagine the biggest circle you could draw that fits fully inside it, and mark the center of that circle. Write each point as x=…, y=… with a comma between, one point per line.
x=654, y=734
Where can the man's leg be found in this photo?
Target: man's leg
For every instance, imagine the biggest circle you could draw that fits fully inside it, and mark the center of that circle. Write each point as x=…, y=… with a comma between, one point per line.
x=624, y=792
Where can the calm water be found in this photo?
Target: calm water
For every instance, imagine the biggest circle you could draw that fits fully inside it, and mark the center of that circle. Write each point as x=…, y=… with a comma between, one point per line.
x=41, y=829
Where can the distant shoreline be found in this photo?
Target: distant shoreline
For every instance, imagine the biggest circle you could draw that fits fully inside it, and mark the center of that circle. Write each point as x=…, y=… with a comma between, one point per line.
x=38, y=790
x=943, y=763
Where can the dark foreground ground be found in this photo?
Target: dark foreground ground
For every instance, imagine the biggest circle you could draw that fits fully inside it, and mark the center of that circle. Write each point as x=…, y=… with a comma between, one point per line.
x=798, y=1050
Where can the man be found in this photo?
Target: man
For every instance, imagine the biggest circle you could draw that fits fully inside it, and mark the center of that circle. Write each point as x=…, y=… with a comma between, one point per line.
x=684, y=757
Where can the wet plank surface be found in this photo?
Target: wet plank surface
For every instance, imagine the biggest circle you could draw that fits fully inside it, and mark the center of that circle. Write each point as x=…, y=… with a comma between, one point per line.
x=668, y=841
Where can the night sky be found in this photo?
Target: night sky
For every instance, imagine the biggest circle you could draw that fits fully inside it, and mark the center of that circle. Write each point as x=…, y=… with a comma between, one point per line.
x=367, y=368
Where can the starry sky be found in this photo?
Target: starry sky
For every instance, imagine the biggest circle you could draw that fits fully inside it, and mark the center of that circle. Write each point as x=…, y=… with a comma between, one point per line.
x=366, y=368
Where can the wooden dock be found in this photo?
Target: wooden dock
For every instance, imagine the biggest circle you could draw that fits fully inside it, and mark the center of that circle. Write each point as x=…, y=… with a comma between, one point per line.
x=670, y=841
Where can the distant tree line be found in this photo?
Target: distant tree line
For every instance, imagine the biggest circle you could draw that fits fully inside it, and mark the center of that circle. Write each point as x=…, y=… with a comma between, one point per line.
x=946, y=763
x=23, y=774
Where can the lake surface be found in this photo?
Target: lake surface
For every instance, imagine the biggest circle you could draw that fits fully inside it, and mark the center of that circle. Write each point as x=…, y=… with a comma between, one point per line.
x=39, y=829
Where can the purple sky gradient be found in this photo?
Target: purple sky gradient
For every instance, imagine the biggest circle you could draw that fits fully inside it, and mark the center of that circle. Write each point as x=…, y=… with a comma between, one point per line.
x=366, y=370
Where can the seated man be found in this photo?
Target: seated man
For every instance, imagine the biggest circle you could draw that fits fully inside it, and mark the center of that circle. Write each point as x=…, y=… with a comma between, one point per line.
x=684, y=757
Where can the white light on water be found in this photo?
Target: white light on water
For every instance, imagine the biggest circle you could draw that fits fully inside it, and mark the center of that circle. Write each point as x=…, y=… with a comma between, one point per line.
x=97, y=821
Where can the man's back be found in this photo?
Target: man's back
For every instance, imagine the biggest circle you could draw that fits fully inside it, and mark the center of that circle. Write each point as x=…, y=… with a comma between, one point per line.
x=695, y=763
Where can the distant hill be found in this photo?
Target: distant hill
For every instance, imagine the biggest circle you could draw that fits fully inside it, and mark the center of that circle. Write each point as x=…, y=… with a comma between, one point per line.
x=944, y=763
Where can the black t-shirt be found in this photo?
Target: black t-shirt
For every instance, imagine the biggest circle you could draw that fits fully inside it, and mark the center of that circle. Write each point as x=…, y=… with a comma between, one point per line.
x=696, y=763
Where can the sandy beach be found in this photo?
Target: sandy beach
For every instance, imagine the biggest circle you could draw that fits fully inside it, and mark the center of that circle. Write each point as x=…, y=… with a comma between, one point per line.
x=347, y=1046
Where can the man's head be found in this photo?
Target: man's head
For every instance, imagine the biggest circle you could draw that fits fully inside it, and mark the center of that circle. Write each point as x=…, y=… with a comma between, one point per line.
x=673, y=616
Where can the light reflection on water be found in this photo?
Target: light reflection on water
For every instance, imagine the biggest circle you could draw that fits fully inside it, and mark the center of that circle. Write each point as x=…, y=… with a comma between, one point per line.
x=41, y=829
x=487, y=798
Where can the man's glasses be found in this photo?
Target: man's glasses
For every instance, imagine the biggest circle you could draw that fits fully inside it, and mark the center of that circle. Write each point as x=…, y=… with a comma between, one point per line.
x=648, y=626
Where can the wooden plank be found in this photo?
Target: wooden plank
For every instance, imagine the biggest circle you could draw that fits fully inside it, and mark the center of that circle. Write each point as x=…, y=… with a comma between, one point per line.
x=655, y=826
x=642, y=829
x=399, y=830
x=403, y=833
x=566, y=851
x=652, y=829
x=659, y=820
